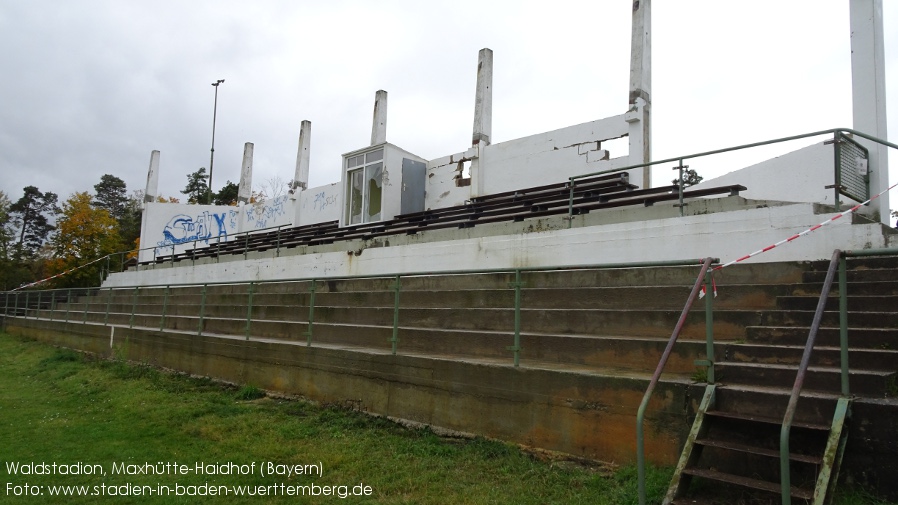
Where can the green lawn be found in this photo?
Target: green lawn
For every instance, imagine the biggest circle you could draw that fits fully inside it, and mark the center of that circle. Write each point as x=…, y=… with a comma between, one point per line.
x=58, y=406
x=84, y=414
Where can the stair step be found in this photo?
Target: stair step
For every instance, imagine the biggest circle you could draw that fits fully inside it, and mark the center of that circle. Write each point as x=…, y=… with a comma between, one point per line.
x=735, y=446
x=767, y=420
x=864, y=382
x=761, y=485
x=867, y=338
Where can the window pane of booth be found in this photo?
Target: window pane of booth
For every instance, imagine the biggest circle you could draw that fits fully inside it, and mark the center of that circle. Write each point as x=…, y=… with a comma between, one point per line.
x=354, y=202
x=374, y=178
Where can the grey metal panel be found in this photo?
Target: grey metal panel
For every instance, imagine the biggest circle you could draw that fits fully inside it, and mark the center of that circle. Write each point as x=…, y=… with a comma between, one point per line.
x=413, y=178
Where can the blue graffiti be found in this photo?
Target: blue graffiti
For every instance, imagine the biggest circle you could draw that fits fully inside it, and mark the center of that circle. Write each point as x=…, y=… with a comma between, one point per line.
x=182, y=229
x=322, y=201
x=260, y=213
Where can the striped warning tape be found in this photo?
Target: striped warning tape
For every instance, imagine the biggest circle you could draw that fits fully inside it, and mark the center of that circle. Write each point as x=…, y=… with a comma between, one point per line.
x=60, y=274
x=809, y=230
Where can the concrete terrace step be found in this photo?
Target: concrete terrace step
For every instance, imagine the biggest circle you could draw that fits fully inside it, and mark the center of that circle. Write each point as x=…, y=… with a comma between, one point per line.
x=856, y=303
x=756, y=484
x=860, y=275
x=858, y=358
x=622, y=352
x=827, y=336
x=768, y=404
x=868, y=383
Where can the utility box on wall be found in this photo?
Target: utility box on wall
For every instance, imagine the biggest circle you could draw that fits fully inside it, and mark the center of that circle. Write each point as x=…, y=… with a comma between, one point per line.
x=380, y=182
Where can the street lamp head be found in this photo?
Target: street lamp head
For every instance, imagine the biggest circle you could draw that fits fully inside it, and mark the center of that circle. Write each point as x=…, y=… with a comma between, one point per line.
x=216, y=83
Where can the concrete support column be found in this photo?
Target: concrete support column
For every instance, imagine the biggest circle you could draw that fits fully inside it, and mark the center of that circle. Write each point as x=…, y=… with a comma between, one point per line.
x=152, y=178
x=640, y=133
x=483, y=99
x=245, y=190
x=301, y=178
x=379, y=125
x=868, y=90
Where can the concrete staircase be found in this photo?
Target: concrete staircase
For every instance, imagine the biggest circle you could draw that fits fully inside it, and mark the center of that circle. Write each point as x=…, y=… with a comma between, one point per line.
x=585, y=325
x=735, y=457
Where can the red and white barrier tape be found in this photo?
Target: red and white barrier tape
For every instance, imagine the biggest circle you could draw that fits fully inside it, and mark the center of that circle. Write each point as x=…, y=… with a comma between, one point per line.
x=809, y=230
x=35, y=283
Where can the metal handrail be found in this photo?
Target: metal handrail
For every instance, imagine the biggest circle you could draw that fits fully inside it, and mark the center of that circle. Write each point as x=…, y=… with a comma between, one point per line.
x=640, y=415
x=396, y=287
x=785, y=475
x=680, y=159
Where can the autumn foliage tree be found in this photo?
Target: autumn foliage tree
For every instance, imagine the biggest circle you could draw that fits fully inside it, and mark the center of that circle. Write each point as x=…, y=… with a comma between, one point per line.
x=84, y=233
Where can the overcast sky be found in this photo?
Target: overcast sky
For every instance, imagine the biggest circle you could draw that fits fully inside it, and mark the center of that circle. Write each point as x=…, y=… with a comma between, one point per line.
x=92, y=87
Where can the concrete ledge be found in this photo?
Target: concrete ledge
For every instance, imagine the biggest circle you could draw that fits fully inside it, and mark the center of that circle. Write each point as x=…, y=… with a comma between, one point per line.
x=584, y=414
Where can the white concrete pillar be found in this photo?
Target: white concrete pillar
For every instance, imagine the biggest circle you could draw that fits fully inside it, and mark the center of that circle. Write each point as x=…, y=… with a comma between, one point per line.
x=379, y=125
x=301, y=178
x=868, y=90
x=640, y=132
x=245, y=189
x=150, y=193
x=483, y=99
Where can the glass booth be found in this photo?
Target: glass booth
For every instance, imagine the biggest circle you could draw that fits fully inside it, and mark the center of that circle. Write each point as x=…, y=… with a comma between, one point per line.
x=381, y=182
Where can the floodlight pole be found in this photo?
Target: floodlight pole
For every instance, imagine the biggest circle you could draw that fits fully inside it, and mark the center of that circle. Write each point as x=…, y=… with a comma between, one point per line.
x=212, y=153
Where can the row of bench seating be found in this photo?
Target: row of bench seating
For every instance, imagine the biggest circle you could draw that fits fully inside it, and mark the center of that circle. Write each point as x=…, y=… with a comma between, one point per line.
x=594, y=193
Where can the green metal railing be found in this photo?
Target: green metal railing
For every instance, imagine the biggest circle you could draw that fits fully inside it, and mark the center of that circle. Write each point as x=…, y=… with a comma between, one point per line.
x=704, y=277
x=838, y=134
x=837, y=264
x=253, y=288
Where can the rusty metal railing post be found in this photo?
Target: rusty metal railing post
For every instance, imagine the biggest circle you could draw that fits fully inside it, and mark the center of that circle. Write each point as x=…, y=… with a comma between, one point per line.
x=108, y=302
x=164, y=307
x=396, y=287
x=133, y=306
x=570, y=204
x=249, y=309
x=199, y=329
x=785, y=475
x=843, y=322
x=709, y=324
x=640, y=415
x=517, y=285
x=308, y=332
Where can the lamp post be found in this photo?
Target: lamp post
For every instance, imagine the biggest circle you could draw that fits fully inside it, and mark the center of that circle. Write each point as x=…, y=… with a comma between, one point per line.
x=212, y=154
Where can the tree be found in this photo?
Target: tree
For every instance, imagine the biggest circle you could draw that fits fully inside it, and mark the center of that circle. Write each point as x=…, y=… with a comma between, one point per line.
x=690, y=178
x=227, y=195
x=111, y=195
x=6, y=232
x=85, y=233
x=197, y=189
x=130, y=221
x=31, y=214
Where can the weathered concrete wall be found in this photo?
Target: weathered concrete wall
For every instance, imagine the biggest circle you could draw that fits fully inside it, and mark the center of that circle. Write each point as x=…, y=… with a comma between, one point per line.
x=267, y=214
x=319, y=204
x=175, y=226
x=726, y=235
x=551, y=157
x=799, y=176
x=586, y=415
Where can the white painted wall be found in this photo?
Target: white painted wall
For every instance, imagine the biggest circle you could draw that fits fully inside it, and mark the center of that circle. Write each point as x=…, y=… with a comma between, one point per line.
x=175, y=227
x=799, y=176
x=552, y=157
x=319, y=204
x=267, y=214
x=727, y=235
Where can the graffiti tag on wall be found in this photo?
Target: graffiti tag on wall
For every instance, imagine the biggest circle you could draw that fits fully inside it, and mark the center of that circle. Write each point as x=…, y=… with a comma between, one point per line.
x=183, y=229
x=265, y=214
x=322, y=200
